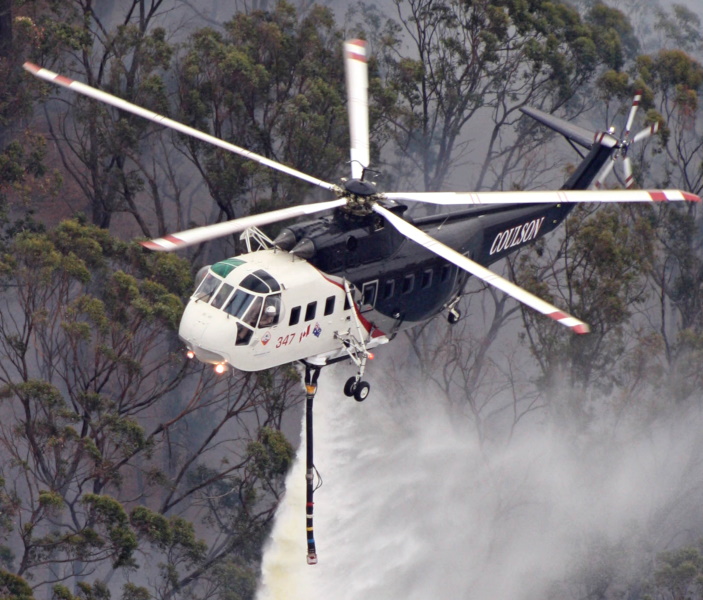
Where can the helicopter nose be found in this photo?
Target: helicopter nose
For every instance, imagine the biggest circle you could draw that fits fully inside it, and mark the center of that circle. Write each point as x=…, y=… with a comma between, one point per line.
x=195, y=322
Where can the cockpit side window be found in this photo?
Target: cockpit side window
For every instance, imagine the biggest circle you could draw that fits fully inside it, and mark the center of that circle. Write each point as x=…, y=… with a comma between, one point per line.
x=271, y=312
x=207, y=288
x=239, y=303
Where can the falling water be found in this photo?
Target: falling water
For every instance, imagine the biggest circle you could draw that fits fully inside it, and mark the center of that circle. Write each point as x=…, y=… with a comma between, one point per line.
x=412, y=507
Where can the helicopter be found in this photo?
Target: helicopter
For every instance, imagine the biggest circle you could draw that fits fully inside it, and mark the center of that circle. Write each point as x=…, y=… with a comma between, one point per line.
x=334, y=287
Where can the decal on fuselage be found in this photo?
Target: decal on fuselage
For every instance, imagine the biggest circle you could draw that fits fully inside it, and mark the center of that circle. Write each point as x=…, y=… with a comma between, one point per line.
x=517, y=235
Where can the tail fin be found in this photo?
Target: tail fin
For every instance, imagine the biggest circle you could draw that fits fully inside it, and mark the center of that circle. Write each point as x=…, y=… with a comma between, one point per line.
x=600, y=145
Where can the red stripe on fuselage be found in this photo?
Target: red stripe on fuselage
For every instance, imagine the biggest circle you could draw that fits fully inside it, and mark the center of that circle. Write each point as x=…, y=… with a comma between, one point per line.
x=375, y=331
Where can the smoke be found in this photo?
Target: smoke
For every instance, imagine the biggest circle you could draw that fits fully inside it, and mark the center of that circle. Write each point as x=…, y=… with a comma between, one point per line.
x=413, y=507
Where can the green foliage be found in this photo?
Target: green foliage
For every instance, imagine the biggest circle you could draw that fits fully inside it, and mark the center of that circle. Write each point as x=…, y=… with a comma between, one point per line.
x=236, y=581
x=13, y=587
x=679, y=574
x=483, y=60
x=110, y=514
x=605, y=258
x=273, y=82
x=272, y=453
x=97, y=591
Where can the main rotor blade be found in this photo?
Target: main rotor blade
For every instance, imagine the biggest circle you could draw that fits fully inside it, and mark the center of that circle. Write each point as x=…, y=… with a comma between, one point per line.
x=633, y=110
x=481, y=272
x=543, y=197
x=205, y=233
x=96, y=94
x=357, y=104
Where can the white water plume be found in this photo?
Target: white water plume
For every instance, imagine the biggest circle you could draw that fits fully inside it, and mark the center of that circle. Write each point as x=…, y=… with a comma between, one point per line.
x=412, y=507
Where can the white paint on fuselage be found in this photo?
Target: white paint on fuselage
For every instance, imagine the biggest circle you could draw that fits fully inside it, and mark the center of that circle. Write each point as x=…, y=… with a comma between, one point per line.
x=211, y=333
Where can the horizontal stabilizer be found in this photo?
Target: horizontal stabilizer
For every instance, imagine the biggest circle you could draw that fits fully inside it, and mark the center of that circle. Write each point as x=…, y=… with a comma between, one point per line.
x=572, y=132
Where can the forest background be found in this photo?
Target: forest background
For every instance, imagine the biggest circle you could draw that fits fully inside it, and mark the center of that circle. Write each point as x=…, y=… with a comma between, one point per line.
x=128, y=471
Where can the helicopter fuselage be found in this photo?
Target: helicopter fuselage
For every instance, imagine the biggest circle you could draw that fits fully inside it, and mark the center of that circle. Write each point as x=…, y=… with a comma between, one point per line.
x=346, y=277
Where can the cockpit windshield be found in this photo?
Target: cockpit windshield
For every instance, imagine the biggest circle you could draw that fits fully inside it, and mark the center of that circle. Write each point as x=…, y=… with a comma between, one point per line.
x=256, y=302
x=239, y=303
x=207, y=288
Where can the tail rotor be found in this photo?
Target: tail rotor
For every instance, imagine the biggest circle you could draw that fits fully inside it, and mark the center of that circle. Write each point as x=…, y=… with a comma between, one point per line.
x=620, y=154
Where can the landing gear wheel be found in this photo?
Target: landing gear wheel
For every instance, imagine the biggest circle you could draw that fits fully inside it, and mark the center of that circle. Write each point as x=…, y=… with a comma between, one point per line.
x=362, y=391
x=453, y=316
x=350, y=387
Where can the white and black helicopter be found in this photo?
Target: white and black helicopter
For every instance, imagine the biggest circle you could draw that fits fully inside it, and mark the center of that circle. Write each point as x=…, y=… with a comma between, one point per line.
x=334, y=287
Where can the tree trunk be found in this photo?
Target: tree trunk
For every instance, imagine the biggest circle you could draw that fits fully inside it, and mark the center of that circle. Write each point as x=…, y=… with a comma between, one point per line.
x=5, y=28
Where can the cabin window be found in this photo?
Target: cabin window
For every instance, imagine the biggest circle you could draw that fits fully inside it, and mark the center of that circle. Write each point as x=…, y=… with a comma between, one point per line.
x=222, y=295
x=329, y=306
x=239, y=303
x=310, y=311
x=426, y=279
x=368, y=294
x=408, y=283
x=388, y=289
x=207, y=288
x=444, y=275
x=294, y=316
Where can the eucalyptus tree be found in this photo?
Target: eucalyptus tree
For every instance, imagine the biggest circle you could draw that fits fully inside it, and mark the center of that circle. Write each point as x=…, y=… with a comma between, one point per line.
x=123, y=51
x=114, y=445
x=460, y=71
x=271, y=82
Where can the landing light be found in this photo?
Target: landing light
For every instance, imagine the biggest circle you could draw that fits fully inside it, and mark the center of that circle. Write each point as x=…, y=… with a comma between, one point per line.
x=190, y=354
x=370, y=355
x=220, y=368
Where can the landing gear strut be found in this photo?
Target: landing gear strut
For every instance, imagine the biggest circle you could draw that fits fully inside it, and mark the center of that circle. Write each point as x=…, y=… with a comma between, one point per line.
x=454, y=314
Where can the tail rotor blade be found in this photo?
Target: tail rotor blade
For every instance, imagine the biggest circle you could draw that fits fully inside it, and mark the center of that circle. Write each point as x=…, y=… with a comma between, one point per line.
x=627, y=172
x=633, y=111
x=604, y=174
x=355, y=62
x=646, y=132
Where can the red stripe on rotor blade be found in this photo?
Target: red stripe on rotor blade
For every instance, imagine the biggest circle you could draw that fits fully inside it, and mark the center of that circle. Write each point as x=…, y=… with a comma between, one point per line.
x=63, y=80
x=658, y=196
x=356, y=56
x=581, y=328
x=173, y=239
x=558, y=315
x=31, y=67
x=361, y=53
x=691, y=197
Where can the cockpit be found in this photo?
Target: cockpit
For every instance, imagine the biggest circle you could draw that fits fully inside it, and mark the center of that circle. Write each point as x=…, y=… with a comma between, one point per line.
x=255, y=301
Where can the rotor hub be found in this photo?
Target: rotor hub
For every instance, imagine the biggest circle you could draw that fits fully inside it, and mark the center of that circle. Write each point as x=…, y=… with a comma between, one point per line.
x=361, y=196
